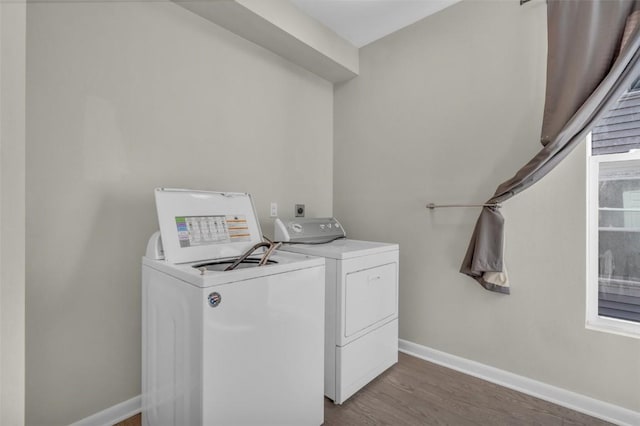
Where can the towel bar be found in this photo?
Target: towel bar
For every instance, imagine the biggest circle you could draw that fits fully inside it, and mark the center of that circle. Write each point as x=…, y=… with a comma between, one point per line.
x=436, y=206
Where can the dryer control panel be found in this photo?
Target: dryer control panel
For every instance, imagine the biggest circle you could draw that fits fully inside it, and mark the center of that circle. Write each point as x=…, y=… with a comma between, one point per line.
x=308, y=230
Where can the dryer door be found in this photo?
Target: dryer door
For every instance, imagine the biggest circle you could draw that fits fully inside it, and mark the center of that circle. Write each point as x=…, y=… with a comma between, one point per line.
x=369, y=295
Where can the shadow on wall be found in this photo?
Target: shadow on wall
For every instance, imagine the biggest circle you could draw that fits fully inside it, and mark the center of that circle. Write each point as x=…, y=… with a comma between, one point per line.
x=91, y=289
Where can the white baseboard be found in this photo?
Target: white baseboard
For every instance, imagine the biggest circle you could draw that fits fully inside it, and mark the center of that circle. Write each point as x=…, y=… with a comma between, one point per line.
x=113, y=415
x=584, y=404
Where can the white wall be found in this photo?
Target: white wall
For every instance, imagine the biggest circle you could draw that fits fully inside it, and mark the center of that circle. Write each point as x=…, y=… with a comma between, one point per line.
x=443, y=111
x=12, y=211
x=123, y=97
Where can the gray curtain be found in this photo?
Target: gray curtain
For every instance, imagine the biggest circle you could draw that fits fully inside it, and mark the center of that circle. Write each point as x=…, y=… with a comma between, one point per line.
x=593, y=58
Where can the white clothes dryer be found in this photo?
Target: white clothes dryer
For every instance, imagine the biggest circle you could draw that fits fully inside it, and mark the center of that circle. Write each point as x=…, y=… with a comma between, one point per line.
x=239, y=347
x=361, y=294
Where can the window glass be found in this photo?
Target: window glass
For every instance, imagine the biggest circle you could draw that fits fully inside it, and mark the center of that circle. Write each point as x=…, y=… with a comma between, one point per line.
x=619, y=130
x=613, y=284
x=619, y=239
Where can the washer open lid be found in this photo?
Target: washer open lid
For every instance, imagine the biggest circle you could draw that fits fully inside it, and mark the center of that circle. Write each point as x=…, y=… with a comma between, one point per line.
x=202, y=225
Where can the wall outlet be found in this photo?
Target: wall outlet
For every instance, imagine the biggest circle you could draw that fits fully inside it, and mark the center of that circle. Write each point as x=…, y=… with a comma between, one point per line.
x=299, y=210
x=274, y=210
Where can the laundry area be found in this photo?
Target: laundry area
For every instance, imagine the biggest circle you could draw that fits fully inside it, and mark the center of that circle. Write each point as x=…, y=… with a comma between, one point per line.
x=235, y=331
x=214, y=213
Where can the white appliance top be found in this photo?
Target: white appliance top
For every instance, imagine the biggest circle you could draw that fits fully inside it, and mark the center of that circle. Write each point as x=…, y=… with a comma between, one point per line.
x=198, y=225
x=341, y=249
x=191, y=274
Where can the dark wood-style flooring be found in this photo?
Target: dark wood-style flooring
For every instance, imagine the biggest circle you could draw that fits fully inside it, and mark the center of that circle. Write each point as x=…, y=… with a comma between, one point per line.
x=416, y=392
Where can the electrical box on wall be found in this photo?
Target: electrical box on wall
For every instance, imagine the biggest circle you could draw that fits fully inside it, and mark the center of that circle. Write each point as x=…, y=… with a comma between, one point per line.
x=299, y=210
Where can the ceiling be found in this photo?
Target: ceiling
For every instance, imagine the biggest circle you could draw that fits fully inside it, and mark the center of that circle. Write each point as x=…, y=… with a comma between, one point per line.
x=363, y=21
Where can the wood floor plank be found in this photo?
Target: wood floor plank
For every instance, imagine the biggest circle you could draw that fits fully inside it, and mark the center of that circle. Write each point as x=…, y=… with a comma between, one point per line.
x=434, y=395
x=131, y=421
x=415, y=392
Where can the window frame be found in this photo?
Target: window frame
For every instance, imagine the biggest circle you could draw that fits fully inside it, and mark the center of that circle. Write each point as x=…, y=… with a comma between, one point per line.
x=593, y=320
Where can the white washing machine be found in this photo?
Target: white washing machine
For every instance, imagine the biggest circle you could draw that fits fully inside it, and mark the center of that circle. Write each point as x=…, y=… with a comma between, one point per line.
x=361, y=310
x=239, y=347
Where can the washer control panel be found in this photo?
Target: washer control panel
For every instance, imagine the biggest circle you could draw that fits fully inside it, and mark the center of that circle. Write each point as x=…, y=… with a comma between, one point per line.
x=308, y=230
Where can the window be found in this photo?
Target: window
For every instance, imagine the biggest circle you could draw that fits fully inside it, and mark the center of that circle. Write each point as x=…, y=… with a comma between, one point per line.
x=613, y=289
